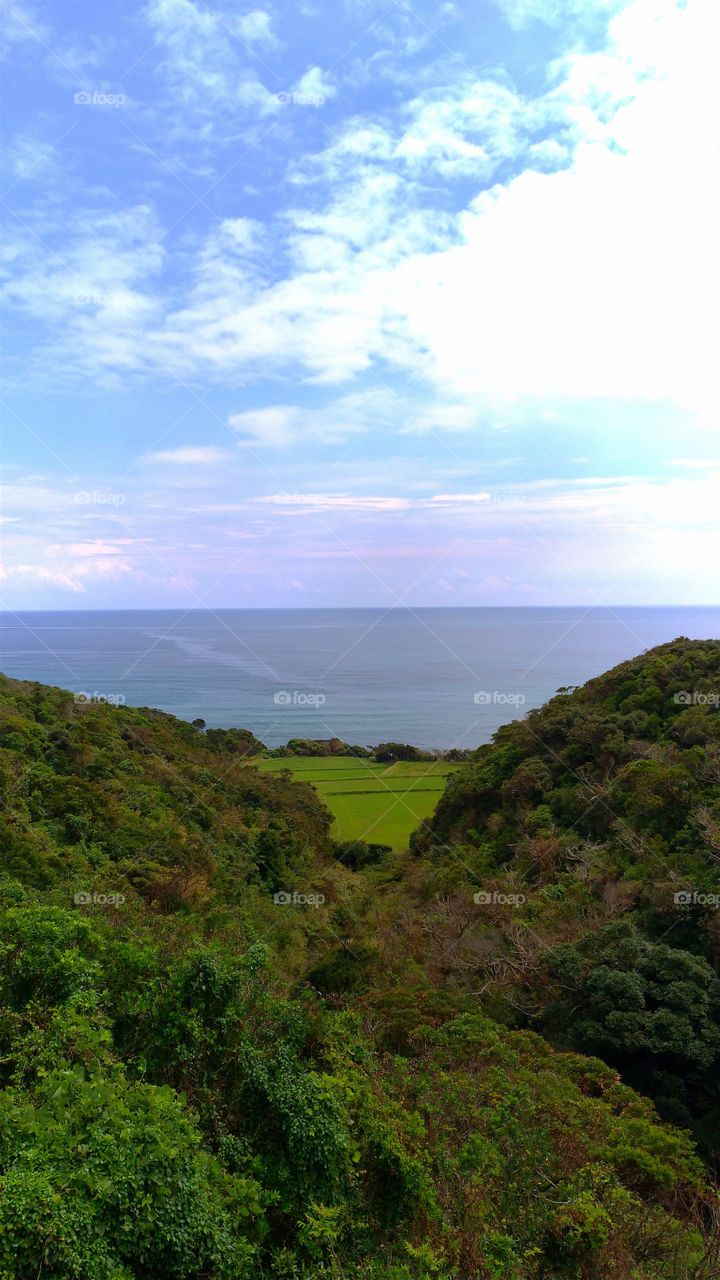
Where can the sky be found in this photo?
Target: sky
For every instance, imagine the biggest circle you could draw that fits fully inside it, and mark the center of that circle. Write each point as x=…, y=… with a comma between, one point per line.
x=360, y=303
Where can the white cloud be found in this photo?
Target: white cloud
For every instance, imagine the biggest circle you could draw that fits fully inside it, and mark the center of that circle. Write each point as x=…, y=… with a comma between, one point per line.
x=18, y=25
x=592, y=280
x=75, y=575
x=444, y=417
x=313, y=88
x=22, y=32
x=208, y=57
x=593, y=535
x=30, y=157
x=254, y=27
x=276, y=425
x=96, y=288
x=597, y=280
x=555, y=12
x=189, y=455
x=461, y=499
x=465, y=133
x=697, y=464
x=85, y=550
x=312, y=502
x=31, y=574
x=281, y=425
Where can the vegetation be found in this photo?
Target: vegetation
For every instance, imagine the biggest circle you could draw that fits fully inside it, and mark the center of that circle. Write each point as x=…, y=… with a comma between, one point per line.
x=603, y=807
x=232, y=1046
x=384, y=753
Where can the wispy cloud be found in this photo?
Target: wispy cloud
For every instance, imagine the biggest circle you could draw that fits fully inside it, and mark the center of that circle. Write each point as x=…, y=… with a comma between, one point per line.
x=210, y=58
x=189, y=455
x=335, y=502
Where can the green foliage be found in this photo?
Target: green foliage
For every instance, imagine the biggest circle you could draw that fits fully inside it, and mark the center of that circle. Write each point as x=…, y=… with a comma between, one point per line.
x=388, y=752
x=119, y=797
x=619, y=759
x=600, y=806
x=198, y=1084
x=650, y=1009
x=357, y=854
x=100, y=1178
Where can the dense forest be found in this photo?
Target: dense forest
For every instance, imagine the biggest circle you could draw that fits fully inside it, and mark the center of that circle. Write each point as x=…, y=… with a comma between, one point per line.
x=230, y=1047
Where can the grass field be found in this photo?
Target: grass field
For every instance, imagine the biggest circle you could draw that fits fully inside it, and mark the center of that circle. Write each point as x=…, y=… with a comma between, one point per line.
x=375, y=802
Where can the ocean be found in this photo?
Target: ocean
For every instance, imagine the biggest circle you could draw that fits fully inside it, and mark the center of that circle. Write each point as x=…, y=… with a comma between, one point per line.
x=438, y=678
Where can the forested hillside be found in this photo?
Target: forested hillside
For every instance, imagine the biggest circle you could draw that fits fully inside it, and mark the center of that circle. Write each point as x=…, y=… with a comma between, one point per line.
x=203, y=1076
x=602, y=810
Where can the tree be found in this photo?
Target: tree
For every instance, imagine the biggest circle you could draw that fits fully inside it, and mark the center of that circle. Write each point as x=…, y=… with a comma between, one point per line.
x=649, y=1009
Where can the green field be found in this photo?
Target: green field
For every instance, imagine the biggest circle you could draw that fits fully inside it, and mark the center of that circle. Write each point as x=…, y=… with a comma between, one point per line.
x=375, y=802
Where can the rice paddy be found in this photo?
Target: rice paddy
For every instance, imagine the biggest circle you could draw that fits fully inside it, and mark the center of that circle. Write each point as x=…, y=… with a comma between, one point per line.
x=379, y=803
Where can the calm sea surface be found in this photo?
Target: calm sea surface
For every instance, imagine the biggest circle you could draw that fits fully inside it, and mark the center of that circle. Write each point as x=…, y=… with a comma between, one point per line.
x=434, y=677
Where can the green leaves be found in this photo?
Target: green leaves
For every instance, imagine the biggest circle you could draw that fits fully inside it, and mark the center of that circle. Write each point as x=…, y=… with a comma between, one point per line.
x=198, y=1086
x=99, y=1176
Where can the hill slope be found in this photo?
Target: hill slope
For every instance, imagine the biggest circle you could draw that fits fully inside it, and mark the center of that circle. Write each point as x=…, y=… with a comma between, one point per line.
x=197, y=1082
x=96, y=793
x=595, y=823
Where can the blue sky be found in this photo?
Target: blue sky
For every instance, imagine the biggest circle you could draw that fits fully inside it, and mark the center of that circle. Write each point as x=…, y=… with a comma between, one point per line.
x=360, y=303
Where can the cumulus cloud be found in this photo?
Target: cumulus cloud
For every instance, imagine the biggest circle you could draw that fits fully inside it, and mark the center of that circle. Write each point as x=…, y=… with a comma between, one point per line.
x=588, y=271
x=465, y=133
x=255, y=27
x=551, y=284
x=313, y=88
